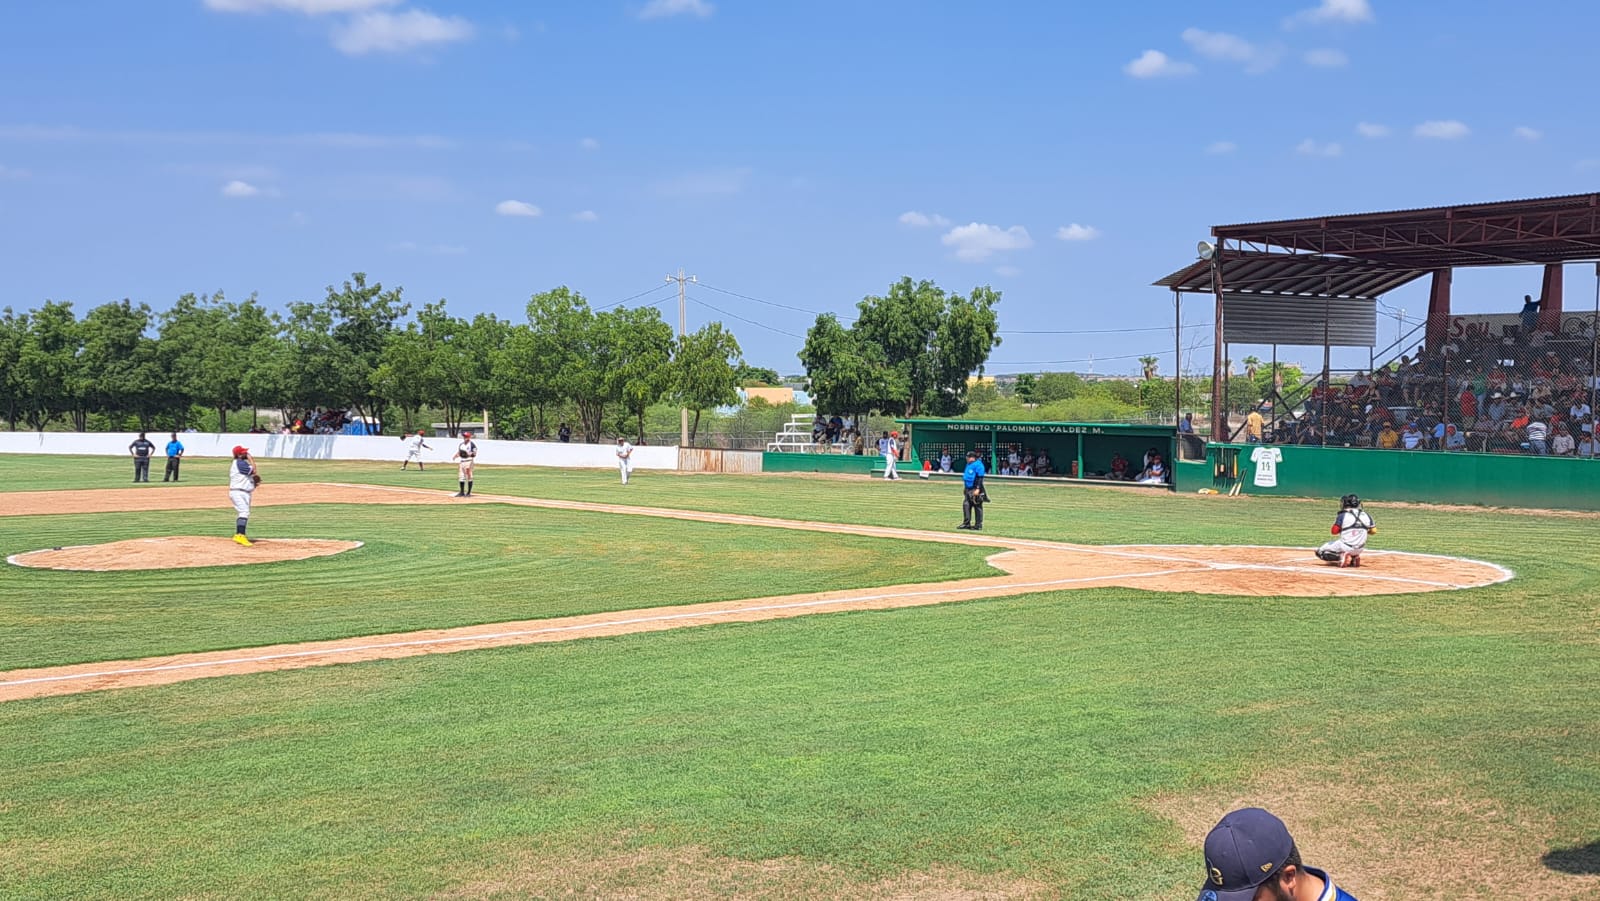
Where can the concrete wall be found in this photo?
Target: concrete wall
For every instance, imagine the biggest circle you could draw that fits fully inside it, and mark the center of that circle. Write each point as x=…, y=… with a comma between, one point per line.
x=339, y=447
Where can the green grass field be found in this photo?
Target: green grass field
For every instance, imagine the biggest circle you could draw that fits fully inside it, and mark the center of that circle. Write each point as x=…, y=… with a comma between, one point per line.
x=1069, y=744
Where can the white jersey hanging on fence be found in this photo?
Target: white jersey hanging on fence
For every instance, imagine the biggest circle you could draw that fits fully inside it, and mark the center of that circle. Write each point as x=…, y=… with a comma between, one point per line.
x=1266, y=460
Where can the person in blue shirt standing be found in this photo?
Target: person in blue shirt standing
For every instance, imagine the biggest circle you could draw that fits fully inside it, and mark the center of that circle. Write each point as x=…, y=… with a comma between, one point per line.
x=972, y=494
x=174, y=454
x=1250, y=856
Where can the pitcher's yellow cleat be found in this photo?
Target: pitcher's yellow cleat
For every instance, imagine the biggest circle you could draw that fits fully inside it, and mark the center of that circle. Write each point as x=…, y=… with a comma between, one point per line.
x=241, y=540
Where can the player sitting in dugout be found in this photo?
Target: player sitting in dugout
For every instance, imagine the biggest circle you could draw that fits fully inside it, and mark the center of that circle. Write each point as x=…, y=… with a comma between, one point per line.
x=1350, y=530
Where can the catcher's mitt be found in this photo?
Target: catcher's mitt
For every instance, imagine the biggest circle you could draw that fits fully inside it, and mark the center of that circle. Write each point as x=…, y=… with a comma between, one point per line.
x=255, y=478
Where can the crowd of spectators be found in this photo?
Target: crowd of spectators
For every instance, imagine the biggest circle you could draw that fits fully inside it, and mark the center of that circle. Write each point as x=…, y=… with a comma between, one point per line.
x=1526, y=391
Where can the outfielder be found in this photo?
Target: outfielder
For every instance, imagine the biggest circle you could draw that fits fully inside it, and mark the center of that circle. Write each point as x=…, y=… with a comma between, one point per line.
x=242, y=482
x=414, y=448
x=624, y=457
x=466, y=452
x=1350, y=530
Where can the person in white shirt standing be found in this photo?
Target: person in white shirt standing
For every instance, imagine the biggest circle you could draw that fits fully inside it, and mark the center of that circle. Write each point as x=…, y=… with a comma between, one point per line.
x=891, y=455
x=414, y=448
x=624, y=457
x=242, y=482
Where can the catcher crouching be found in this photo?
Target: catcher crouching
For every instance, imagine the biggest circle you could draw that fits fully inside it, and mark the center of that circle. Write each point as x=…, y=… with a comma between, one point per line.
x=242, y=481
x=1350, y=530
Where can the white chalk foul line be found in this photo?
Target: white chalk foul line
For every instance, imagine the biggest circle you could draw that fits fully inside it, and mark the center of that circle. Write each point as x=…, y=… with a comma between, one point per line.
x=552, y=630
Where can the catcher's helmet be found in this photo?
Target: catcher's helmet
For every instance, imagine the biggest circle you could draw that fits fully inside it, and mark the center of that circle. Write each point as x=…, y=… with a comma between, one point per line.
x=1349, y=501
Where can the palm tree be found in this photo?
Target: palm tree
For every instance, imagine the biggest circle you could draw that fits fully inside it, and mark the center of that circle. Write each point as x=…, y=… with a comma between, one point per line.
x=1251, y=363
x=1150, y=364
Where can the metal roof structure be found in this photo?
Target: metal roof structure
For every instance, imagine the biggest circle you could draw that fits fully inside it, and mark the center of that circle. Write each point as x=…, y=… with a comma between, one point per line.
x=1538, y=230
x=1292, y=275
x=1369, y=254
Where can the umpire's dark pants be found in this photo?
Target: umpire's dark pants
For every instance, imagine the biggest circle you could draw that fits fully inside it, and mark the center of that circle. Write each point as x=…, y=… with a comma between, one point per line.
x=172, y=469
x=971, y=510
x=141, y=469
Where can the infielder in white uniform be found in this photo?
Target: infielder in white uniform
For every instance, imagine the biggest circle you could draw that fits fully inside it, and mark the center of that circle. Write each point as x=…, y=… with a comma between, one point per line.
x=1350, y=530
x=624, y=457
x=242, y=482
x=414, y=448
x=466, y=452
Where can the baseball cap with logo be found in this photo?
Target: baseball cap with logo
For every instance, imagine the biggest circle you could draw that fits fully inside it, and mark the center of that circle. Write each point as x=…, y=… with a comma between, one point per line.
x=1245, y=849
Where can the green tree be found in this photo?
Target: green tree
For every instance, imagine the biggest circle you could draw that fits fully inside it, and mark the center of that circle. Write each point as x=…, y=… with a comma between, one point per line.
x=933, y=341
x=846, y=376
x=1025, y=387
x=706, y=372
x=401, y=378
x=206, y=347
x=1053, y=386
x=572, y=351
x=642, y=372
x=48, y=366
x=362, y=316
x=13, y=331
x=1149, y=364
x=756, y=376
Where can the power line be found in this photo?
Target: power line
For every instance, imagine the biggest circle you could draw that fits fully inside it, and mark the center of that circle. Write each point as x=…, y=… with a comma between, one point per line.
x=773, y=303
x=1083, y=360
x=631, y=297
x=1099, y=331
x=742, y=319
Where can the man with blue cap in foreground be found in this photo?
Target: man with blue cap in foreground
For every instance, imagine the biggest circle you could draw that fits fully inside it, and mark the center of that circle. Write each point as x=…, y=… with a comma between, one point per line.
x=1251, y=857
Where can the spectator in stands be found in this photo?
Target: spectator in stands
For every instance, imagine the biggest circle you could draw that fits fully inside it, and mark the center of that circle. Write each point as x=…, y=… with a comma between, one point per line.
x=1538, y=435
x=1186, y=425
x=1498, y=410
x=1453, y=439
x=1529, y=314
x=835, y=428
x=1579, y=409
x=1388, y=438
x=819, y=427
x=1253, y=426
x=1588, y=446
x=1562, y=445
x=565, y=433
x=1411, y=437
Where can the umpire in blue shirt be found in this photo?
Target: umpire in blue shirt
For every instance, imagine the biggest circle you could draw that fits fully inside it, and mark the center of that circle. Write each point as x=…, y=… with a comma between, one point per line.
x=174, y=455
x=972, y=494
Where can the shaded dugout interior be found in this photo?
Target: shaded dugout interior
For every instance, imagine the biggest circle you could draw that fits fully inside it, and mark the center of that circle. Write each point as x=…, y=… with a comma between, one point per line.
x=1077, y=450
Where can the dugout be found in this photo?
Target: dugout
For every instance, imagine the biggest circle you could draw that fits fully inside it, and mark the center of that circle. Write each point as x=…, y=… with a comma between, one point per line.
x=1078, y=451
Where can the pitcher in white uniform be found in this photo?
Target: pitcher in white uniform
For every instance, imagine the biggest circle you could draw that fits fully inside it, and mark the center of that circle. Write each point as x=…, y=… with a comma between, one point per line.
x=242, y=481
x=624, y=457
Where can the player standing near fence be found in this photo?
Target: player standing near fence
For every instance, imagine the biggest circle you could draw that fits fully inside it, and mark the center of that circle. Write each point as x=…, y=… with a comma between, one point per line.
x=465, y=454
x=624, y=457
x=414, y=448
x=242, y=482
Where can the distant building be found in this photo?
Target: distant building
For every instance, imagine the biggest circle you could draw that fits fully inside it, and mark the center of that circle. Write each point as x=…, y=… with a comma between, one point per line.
x=774, y=396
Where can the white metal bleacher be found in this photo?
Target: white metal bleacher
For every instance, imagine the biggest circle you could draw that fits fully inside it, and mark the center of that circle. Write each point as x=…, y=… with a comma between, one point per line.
x=795, y=437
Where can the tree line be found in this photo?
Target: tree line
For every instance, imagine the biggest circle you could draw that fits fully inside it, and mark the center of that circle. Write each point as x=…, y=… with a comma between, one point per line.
x=357, y=350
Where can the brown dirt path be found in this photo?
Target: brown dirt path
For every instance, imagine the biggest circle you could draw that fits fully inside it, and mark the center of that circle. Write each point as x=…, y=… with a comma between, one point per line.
x=1028, y=566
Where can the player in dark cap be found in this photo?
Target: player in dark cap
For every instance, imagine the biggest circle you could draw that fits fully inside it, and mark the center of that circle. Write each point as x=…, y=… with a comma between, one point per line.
x=1250, y=856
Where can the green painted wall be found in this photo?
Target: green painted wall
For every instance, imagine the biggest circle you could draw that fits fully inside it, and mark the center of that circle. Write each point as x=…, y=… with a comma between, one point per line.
x=1499, y=480
x=773, y=462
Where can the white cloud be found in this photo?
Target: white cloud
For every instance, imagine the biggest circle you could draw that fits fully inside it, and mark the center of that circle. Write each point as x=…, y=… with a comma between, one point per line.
x=1221, y=147
x=1308, y=147
x=705, y=184
x=1076, y=232
x=396, y=32
x=1155, y=64
x=304, y=7
x=1372, y=130
x=589, y=144
x=1219, y=45
x=1007, y=271
x=1442, y=129
x=517, y=208
x=1326, y=58
x=923, y=220
x=1526, y=133
x=237, y=188
x=1333, y=12
x=586, y=216
x=977, y=242
x=662, y=9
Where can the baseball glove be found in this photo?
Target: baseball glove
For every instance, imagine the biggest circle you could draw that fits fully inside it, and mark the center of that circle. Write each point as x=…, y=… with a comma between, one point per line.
x=255, y=478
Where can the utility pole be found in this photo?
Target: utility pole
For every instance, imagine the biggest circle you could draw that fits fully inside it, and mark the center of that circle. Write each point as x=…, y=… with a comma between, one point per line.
x=681, y=279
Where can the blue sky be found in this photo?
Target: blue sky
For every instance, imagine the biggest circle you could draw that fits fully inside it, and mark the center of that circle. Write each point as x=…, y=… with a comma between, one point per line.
x=804, y=154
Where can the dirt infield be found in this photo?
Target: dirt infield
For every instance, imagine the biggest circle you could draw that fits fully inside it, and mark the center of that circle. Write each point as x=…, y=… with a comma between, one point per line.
x=179, y=552
x=1028, y=566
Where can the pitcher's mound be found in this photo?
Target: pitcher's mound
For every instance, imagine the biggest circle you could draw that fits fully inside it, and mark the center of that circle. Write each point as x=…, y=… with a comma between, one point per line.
x=179, y=552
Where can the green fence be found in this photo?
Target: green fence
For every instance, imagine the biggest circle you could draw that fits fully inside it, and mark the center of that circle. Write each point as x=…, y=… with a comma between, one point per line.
x=1500, y=480
x=775, y=462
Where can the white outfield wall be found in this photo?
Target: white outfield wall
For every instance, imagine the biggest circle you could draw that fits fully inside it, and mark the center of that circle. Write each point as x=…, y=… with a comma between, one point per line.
x=491, y=452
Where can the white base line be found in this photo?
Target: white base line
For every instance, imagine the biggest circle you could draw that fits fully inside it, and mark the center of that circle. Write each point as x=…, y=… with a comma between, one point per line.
x=550, y=630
